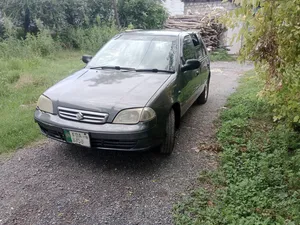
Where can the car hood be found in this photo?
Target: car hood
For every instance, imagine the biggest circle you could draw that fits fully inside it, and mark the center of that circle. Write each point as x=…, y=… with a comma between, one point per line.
x=106, y=90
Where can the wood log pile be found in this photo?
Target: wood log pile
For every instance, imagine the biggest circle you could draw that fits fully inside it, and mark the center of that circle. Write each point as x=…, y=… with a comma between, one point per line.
x=206, y=25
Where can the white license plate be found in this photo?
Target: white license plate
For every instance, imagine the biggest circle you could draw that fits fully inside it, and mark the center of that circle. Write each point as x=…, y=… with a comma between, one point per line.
x=78, y=138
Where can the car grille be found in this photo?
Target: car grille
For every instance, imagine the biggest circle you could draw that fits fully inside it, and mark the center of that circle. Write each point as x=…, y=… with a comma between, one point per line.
x=82, y=116
x=114, y=144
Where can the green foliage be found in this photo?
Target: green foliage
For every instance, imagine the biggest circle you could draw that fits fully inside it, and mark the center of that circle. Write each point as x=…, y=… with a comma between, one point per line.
x=142, y=14
x=40, y=45
x=59, y=16
x=221, y=55
x=90, y=39
x=257, y=182
x=271, y=35
x=80, y=24
x=56, y=15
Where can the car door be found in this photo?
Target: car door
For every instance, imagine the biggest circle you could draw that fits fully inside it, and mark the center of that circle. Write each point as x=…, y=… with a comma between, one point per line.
x=202, y=56
x=205, y=64
x=189, y=80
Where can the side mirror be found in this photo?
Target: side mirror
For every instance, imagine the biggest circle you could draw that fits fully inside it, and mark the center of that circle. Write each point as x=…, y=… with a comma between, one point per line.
x=86, y=58
x=191, y=64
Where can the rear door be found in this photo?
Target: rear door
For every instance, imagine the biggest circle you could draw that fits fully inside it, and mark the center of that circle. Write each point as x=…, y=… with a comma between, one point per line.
x=189, y=80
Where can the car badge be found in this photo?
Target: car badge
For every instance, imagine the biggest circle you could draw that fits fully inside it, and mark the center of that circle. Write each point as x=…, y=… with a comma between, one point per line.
x=79, y=116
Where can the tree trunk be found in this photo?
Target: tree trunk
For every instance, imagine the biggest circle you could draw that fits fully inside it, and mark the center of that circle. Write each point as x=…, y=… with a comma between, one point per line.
x=114, y=2
x=26, y=22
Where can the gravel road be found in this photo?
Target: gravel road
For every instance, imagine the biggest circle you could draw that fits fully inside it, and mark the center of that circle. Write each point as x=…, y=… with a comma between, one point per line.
x=53, y=183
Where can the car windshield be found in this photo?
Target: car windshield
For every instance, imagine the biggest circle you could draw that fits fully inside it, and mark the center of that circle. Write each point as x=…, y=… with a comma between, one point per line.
x=138, y=52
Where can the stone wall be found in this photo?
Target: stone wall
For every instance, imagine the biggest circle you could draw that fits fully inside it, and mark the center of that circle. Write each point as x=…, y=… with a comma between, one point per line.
x=203, y=7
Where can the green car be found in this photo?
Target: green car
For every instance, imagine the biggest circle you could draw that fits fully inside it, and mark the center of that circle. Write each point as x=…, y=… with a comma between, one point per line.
x=131, y=95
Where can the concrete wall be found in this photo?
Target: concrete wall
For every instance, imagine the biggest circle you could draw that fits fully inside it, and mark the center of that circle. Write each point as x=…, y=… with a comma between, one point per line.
x=235, y=46
x=174, y=7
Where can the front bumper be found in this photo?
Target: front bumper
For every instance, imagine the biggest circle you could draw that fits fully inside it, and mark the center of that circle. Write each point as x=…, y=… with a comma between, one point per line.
x=138, y=137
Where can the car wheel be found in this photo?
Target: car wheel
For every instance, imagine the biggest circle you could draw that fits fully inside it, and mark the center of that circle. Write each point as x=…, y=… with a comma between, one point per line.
x=202, y=99
x=168, y=144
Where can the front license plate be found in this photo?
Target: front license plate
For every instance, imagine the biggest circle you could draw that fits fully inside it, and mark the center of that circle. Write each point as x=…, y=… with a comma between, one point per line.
x=78, y=138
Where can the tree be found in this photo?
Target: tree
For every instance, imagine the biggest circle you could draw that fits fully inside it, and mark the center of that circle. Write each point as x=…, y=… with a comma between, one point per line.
x=1, y=25
x=116, y=13
x=271, y=34
x=142, y=14
x=56, y=15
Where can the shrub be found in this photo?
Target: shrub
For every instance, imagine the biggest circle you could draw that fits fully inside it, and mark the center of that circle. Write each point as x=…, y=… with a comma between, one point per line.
x=56, y=15
x=89, y=39
x=221, y=55
x=271, y=39
x=40, y=45
x=142, y=14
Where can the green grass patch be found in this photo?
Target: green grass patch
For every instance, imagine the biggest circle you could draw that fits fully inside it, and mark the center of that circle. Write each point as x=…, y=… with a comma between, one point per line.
x=257, y=182
x=22, y=81
x=221, y=55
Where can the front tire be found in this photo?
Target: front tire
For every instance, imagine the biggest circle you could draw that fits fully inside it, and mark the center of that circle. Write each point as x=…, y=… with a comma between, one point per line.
x=168, y=144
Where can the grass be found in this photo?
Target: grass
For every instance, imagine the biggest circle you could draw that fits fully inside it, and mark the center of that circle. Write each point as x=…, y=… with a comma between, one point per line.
x=257, y=182
x=21, y=82
x=221, y=55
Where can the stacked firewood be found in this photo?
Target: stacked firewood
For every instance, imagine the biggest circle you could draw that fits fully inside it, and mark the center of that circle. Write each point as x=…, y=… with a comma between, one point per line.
x=207, y=25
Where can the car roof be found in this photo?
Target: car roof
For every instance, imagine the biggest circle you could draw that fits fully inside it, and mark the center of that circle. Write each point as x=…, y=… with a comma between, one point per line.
x=156, y=32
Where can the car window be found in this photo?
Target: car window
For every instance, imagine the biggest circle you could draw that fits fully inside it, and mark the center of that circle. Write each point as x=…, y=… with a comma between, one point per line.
x=195, y=40
x=202, y=48
x=139, y=52
x=189, y=51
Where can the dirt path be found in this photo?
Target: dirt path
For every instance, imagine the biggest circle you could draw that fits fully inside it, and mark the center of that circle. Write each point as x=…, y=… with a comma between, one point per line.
x=57, y=184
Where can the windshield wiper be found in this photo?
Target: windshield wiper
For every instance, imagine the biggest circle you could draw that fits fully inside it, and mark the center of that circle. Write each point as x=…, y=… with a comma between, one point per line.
x=155, y=71
x=112, y=68
x=131, y=69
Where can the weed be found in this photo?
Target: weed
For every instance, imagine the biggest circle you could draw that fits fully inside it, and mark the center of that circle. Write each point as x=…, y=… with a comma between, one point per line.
x=221, y=55
x=33, y=46
x=258, y=178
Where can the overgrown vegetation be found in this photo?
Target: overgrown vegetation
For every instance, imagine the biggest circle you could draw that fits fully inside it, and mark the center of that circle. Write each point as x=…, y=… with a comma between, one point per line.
x=43, y=27
x=221, y=55
x=22, y=81
x=270, y=31
x=258, y=178
x=142, y=14
x=70, y=20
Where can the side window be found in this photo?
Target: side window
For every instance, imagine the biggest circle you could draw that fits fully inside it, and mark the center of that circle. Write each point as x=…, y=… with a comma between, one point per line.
x=189, y=51
x=195, y=40
x=202, y=49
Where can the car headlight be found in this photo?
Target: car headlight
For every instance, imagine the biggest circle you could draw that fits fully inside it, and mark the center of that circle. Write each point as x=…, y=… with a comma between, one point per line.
x=133, y=116
x=45, y=104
